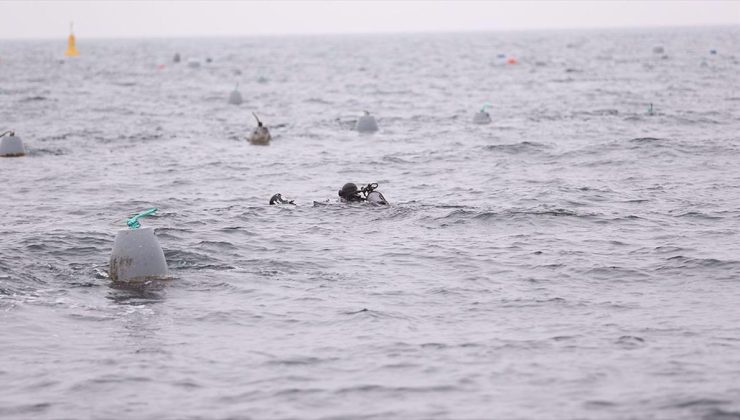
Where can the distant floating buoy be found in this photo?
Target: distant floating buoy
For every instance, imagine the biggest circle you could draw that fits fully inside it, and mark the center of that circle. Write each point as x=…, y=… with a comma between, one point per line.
x=209, y=60
x=193, y=63
x=71, y=48
x=512, y=60
x=651, y=111
x=482, y=116
x=260, y=135
x=713, y=52
x=137, y=255
x=366, y=124
x=176, y=58
x=11, y=145
x=235, y=97
x=658, y=50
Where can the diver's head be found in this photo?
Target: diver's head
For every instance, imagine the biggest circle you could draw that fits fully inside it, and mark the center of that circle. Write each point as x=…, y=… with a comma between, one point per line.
x=350, y=192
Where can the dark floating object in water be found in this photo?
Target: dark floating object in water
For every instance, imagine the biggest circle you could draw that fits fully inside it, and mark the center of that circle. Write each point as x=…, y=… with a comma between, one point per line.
x=176, y=58
x=278, y=199
x=651, y=111
x=658, y=50
x=713, y=52
x=351, y=194
x=11, y=145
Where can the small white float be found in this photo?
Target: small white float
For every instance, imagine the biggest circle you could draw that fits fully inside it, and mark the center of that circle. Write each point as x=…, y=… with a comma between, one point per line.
x=260, y=135
x=366, y=124
x=11, y=145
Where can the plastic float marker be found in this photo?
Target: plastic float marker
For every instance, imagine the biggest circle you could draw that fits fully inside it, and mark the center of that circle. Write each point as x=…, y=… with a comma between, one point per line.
x=260, y=135
x=235, y=98
x=71, y=48
x=137, y=255
x=482, y=117
x=366, y=124
x=11, y=145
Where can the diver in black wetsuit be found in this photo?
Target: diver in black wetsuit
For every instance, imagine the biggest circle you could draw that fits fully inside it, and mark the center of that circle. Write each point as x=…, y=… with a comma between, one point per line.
x=348, y=194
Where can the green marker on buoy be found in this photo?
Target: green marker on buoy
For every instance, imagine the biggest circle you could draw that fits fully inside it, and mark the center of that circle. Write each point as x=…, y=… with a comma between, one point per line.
x=133, y=223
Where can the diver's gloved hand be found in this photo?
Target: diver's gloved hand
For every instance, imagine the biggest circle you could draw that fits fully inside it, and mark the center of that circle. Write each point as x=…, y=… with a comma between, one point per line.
x=367, y=189
x=278, y=199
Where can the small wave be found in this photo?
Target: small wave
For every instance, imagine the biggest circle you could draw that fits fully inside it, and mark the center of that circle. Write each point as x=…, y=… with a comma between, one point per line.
x=317, y=101
x=608, y=112
x=523, y=147
x=34, y=99
x=699, y=215
x=719, y=414
x=181, y=259
x=645, y=140
x=396, y=389
x=463, y=215
x=630, y=341
x=680, y=261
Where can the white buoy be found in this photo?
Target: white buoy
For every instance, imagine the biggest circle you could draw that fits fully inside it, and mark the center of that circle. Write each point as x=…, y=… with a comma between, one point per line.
x=193, y=63
x=260, y=135
x=481, y=117
x=235, y=98
x=11, y=145
x=136, y=254
x=366, y=124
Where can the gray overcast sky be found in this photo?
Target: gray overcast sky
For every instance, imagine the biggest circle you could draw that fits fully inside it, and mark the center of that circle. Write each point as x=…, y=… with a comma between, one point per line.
x=50, y=19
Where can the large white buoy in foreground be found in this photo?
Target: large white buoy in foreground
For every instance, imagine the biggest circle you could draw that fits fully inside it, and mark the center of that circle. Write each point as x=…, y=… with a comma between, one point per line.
x=235, y=98
x=137, y=255
x=366, y=124
x=11, y=145
x=260, y=135
x=482, y=116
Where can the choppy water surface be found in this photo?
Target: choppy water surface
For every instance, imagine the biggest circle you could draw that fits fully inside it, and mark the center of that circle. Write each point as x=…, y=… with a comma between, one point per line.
x=575, y=258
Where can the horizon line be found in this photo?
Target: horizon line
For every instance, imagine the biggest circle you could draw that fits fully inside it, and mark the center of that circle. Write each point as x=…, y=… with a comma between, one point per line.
x=380, y=33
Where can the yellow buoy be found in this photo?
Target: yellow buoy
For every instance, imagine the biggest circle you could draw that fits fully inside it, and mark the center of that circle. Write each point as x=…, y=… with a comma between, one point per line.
x=71, y=49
